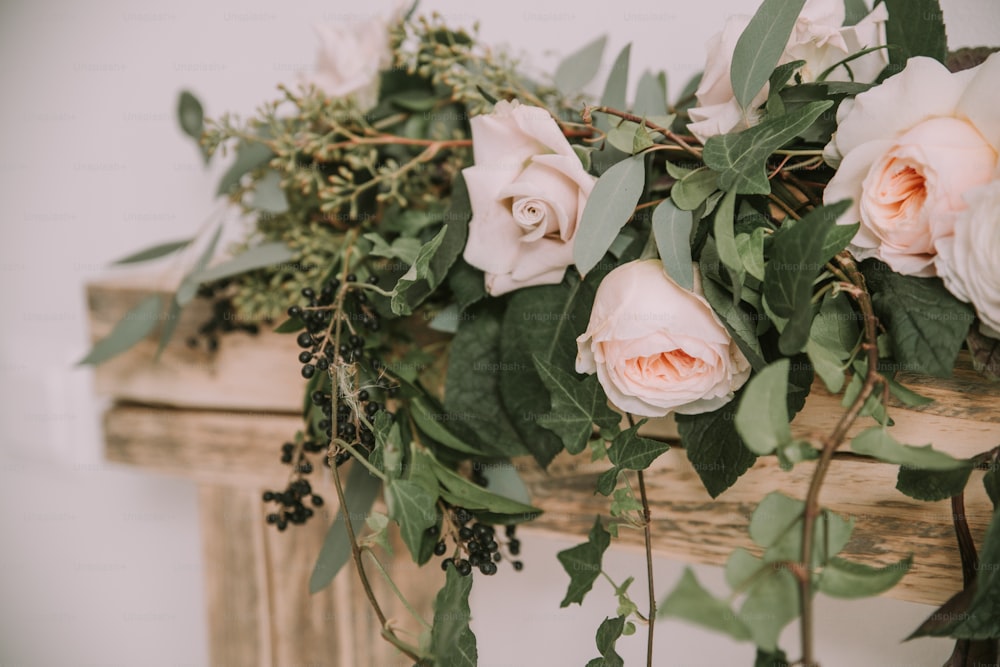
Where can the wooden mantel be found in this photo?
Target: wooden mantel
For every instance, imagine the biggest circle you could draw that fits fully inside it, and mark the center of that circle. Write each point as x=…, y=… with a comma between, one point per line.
x=220, y=418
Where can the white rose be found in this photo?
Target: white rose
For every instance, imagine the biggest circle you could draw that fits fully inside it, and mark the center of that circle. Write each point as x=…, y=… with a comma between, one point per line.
x=969, y=261
x=528, y=190
x=908, y=150
x=818, y=38
x=657, y=347
x=351, y=57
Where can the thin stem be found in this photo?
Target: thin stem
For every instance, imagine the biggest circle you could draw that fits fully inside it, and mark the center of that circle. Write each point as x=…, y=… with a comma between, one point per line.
x=632, y=118
x=648, y=539
x=395, y=589
x=360, y=459
x=830, y=445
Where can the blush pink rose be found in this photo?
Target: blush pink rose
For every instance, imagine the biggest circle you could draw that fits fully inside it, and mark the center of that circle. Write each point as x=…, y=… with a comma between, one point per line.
x=657, y=347
x=908, y=150
x=969, y=260
x=819, y=38
x=528, y=189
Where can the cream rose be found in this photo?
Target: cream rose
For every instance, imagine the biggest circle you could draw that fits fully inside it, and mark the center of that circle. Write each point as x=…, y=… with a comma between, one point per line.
x=528, y=189
x=818, y=38
x=351, y=57
x=658, y=348
x=908, y=150
x=969, y=261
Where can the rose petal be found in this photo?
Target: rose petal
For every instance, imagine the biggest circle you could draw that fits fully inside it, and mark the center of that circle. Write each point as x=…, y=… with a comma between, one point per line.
x=980, y=103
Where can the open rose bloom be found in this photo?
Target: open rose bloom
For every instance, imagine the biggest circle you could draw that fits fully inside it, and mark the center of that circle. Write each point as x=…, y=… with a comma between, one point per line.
x=658, y=348
x=528, y=189
x=909, y=150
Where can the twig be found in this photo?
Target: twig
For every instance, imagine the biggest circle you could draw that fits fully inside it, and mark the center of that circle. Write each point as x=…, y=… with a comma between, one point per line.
x=669, y=134
x=648, y=539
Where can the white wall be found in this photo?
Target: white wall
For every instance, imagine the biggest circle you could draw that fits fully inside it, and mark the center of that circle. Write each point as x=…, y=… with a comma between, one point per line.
x=100, y=565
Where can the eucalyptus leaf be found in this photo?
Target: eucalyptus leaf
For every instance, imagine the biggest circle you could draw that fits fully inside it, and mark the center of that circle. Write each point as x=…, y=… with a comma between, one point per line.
x=188, y=288
x=249, y=156
x=360, y=491
x=267, y=195
x=256, y=257
x=154, y=252
x=741, y=324
x=580, y=67
x=430, y=423
x=672, y=229
x=760, y=46
x=651, y=95
x=190, y=115
x=762, y=417
x=694, y=188
x=609, y=207
x=725, y=242
x=134, y=325
x=846, y=579
x=617, y=82
x=878, y=443
x=771, y=604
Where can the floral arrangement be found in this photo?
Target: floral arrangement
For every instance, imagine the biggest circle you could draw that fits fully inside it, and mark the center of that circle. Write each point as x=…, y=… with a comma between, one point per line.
x=479, y=266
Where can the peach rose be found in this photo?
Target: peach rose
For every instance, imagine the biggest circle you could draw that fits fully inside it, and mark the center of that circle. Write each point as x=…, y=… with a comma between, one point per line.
x=658, y=348
x=908, y=150
x=969, y=261
x=818, y=38
x=528, y=190
x=351, y=57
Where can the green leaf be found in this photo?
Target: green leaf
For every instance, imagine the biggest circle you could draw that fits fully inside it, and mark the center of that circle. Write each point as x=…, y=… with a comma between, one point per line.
x=430, y=423
x=608, y=634
x=134, y=325
x=760, y=46
x=576, y=406
x=926, y=324
x=690, y=602
x=190, y=115
x=827, y=364
x=460, y=491
x=771, y=604
x=405, y=248
x=541, y=322
x=360, y=491
x=741, y=157
x=991, y=481
x=798, y=254
x=917, y=28
x=452, y=642
x=932, y=485
x=629, y=451
x=672, y=229
x=751, y=251
x=154, y=252
x=467, y=284
x=845, y=579
x=607, y=480
x=580, y=67
x=503, y=479
x=714, y=448
x=170, y=323
x=257, y=257
x=583, y=563
x=267, y=194
x=725, y=242
x=741, y=325
x=609, y=207
x=414, y=509
x=651, y=95
x=291, y=325
x=249, y=156
x=188, y=288
x=762, y=418
x=419, y=271
x=878, y=443
x=617, y=81
x=776, y=525
x=631, y=138
x=694, y=188
x=776, y=658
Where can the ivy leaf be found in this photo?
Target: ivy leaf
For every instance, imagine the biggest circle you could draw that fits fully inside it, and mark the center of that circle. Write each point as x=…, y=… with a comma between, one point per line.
x=762, y=417
x=741, y=157
x=452, y=641
x=845, y=579
x=771, y=603
x=630, y=451
x=404, y=248
x=878, y=443
x=583, y=563
x=714, y=447
x=694, y=188
x=576, y=406
x=607, y=481
x=580, y=67
x=257, y=257
x=419, y=271
x=760, y=46
x=609, y=207
x=153, y=252
x=360, y=491
x=672, y=229
x=134, y=325
x=926, y=324
x=608, y=633
x=690, y=602
x=413, y=509
x=932, y=485
x=917, y=28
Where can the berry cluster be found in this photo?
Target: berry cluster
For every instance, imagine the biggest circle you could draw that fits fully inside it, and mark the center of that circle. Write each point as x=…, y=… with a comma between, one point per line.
x=291, y=501
x=476, y=545
x=224, y=318
x=349, y=426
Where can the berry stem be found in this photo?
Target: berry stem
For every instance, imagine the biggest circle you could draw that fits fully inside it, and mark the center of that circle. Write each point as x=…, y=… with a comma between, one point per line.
x=646, y=530
x=395, y=589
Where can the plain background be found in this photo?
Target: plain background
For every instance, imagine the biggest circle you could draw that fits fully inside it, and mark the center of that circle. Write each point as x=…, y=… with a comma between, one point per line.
x=101, y=565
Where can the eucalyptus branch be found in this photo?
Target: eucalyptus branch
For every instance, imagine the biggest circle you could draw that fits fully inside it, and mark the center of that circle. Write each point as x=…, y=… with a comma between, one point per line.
x=624, y=115
x=860, y=294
